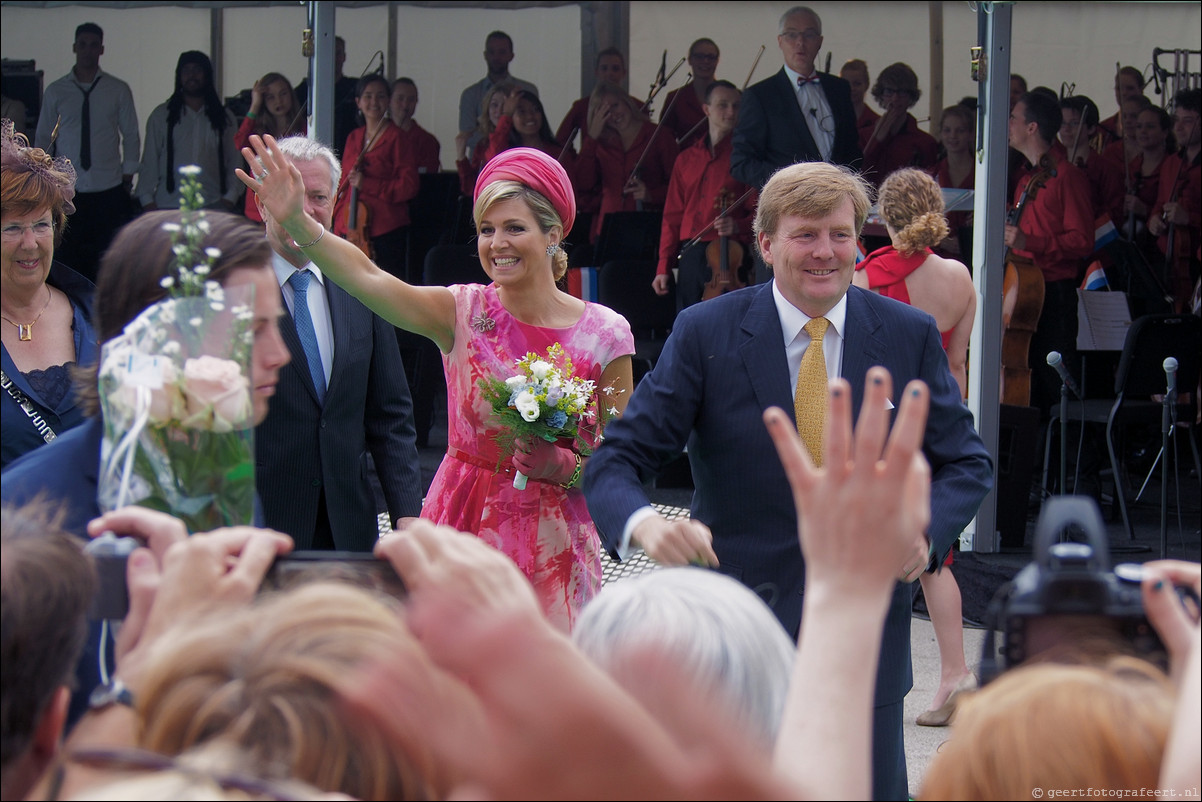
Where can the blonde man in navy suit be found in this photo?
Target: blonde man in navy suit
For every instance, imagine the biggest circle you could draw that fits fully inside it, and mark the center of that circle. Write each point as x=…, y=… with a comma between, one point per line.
x=729, y=359
x=314, y=451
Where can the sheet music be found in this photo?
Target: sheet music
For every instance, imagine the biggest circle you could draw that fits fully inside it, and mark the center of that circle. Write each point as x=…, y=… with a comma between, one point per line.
x=1102, y=320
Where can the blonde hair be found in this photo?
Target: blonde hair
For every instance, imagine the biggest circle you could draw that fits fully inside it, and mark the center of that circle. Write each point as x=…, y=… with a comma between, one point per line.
x=813, y=190
x=265, y=679
x=911, y=204
x=1053, y=726
x=542, y=209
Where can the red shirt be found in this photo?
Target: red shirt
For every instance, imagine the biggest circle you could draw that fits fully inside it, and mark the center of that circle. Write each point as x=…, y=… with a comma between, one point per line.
x=698, y=178
x=909, y=147
x=1107, y=183
x=422, y=148
x=1183, y=183
x=1146, y=187
x=389, y=181
x=1058, y=222
x=606, y=161
x=683, y=116
x=866, y=124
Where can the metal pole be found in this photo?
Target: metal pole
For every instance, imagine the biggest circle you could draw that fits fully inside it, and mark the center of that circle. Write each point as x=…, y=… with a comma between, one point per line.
x=989, y=213
x=321, y=73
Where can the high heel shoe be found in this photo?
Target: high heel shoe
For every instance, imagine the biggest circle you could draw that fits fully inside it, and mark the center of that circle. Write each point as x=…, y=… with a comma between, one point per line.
x=942, y=715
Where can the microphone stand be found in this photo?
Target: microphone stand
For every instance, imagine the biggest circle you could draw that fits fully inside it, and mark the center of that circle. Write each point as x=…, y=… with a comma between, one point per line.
x=1167, y=423
x=1064, y=439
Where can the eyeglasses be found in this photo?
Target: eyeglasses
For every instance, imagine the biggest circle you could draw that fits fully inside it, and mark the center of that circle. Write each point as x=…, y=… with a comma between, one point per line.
x=15, y=232
x=704, y=56
x=793, y=37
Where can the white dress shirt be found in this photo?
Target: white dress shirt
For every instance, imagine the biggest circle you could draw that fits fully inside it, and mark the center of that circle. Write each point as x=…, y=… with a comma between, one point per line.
x=195, y=143
x=817, y=112
x=116, y=142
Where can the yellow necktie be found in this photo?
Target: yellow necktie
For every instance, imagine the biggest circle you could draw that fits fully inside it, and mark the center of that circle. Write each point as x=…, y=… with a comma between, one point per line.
x=809, y=403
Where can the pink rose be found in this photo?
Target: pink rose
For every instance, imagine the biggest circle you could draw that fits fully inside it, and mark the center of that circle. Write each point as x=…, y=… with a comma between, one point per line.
x=217, y=394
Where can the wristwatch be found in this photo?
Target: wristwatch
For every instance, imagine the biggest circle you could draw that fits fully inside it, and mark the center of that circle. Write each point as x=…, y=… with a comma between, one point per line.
x=114, y=693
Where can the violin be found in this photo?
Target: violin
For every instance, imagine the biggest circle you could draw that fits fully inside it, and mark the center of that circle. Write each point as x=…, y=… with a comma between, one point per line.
x=358, y=222
x=1022, y=301
x=720, y=255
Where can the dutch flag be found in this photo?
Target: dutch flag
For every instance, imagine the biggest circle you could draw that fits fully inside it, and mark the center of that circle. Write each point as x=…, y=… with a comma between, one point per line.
x=1095, y=277
x=1104, y=232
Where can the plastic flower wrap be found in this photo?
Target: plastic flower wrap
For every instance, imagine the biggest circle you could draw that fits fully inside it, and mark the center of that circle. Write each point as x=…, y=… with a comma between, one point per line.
x=543, y=399
x=176, y=394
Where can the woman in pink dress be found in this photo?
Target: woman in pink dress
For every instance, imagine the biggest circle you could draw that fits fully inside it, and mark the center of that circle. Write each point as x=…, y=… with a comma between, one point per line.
x=524, y=206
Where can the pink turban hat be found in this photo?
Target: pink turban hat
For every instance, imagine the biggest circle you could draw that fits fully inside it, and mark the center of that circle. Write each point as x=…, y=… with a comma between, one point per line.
x=537, y=170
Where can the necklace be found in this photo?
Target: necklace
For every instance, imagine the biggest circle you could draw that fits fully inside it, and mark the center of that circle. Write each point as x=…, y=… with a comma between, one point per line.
x=25, y=330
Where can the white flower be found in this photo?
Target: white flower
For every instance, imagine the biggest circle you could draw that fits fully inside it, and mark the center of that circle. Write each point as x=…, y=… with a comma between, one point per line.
x=216, y=306
x=539, y=369
x=203, y=225
x=515, y=383
x=190, y=170
x=171, y=227
x=527, y=405
x=612, y=412
x=167, y=282
x=195, y=322
x=202, y=270
x=213, y=253
x=171, y=347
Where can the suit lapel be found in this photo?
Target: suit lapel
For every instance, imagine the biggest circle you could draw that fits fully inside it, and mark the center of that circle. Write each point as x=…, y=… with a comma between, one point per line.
x=863, y=344
x=763, y=353
x=796, y=119
x=340, y=310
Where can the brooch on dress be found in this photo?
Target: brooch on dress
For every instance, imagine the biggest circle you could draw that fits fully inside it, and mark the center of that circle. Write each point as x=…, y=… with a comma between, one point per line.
x=483, y=323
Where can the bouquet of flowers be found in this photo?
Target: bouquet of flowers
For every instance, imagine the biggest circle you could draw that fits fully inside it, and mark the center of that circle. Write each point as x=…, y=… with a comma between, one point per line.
x=175, y=392
x=543, y=399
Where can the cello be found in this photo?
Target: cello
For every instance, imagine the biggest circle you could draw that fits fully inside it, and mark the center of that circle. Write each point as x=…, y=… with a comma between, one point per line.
x=1022, y=301
x=721, y=254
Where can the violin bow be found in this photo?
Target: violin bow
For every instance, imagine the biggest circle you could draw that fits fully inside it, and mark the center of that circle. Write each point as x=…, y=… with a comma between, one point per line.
x=658, y=125
x=659, y=85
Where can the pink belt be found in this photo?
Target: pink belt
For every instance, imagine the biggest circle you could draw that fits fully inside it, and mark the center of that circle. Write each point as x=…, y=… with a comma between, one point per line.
x=505, y=469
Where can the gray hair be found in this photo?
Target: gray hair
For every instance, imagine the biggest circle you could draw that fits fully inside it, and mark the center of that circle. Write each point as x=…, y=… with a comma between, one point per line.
x=304, y=149
x=711, y=624
x=799, y=10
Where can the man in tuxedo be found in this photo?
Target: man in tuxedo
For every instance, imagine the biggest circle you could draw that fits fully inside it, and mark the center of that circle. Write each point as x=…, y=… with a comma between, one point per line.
x=798, y=114
x=343, y=398
x=729, y=359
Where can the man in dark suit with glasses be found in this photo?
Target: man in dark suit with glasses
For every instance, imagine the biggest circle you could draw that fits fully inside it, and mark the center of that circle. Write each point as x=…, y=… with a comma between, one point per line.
x=797, y=115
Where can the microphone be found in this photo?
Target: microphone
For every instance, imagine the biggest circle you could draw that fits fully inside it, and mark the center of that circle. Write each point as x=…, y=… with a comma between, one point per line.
x=1056, y=361
x=1170, y=374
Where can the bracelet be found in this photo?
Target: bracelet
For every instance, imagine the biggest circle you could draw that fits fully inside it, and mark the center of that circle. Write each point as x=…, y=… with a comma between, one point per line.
x=575, y=477
x=250, y=115
x=314, y=242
